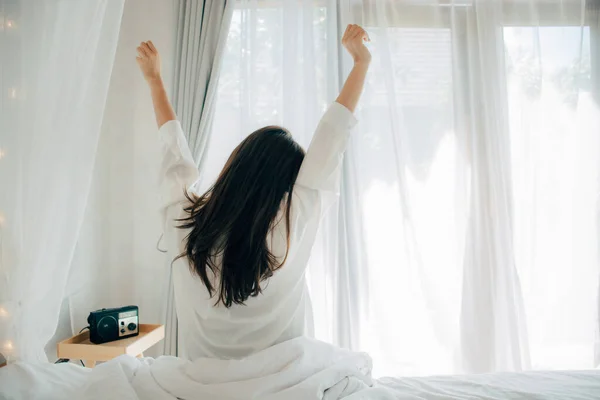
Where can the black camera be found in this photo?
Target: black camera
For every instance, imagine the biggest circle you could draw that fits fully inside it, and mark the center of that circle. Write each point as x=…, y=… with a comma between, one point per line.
x=110, y=324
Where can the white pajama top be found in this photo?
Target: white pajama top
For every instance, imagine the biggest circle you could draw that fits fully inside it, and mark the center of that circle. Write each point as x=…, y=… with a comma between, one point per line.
x=282, y=310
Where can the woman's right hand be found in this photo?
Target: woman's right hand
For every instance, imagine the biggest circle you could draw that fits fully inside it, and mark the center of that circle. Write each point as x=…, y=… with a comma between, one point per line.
x=354, y=41
x=148, y=60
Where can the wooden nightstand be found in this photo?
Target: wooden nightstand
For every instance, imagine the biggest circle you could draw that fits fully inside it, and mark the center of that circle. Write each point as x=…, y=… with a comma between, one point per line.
x=79, y=346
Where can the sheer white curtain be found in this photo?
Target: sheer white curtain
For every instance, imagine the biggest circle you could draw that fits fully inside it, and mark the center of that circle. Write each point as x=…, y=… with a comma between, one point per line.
x=555, y=156
x=56, y=60
x=411, y=190
x=279, y=67
x=466, y=238
x=477, y=159
x=116, y=261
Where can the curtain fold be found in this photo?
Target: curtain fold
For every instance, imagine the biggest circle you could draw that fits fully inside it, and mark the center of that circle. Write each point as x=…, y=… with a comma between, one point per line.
x=50, y=124
x=593, y=18
x=201, y=34
x=592, y=15
x=492, y=323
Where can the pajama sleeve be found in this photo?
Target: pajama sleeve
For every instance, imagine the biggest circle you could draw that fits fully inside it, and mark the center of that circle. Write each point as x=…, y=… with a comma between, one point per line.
x=178, y=170
x=319, y=179
x=322, y=165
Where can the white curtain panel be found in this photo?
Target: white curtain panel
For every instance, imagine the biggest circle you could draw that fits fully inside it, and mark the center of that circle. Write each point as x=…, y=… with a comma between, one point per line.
x=477, y=161
x=56, y=60
x=202, y=29
x=116, y=261
x=466, y=237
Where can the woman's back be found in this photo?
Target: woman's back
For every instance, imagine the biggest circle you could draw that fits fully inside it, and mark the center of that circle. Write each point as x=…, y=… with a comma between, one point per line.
x=282, y=309
x=275, y=315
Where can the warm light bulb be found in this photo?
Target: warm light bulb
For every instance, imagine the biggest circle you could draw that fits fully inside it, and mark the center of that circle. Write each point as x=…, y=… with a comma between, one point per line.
x=2, y=153
x=8, y=345
x=10, y=24
x=12, y=92
x=3, y=312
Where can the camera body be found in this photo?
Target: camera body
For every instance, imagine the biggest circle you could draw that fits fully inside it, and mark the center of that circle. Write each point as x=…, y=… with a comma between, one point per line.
x=110, y=324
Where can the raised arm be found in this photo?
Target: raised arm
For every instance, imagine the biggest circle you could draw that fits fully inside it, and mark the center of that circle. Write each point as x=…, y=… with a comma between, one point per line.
x=354, y=41
x=149, y=61
x=178, y=171
x=321, y=168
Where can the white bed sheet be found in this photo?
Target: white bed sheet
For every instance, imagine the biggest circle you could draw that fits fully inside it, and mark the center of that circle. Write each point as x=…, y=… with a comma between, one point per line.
x=567, y=385
x=299, y=369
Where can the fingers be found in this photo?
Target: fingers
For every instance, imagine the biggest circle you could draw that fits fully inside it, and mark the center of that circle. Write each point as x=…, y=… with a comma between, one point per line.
x=351, y=30
x=348, y=34
x=359, y=32
x=354, y=31
x=146, y=49
x=142, y=52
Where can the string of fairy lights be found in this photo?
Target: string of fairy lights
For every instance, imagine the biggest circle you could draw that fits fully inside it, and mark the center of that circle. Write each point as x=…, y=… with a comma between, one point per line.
x=8, y=25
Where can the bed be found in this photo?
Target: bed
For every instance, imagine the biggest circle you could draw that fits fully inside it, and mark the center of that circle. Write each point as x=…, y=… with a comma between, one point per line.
x=298, y=369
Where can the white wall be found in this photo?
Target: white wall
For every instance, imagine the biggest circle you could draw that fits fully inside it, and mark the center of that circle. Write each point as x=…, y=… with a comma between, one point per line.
x=116, y=262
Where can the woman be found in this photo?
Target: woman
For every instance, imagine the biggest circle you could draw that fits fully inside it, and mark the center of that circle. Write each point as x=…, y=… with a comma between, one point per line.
x=240, y=250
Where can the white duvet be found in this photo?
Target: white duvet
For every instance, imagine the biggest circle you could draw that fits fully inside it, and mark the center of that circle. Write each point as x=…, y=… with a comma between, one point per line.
x=298, y=369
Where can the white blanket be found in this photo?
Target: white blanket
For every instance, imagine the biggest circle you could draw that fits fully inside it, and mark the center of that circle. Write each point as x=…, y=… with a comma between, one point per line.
x=297, y=369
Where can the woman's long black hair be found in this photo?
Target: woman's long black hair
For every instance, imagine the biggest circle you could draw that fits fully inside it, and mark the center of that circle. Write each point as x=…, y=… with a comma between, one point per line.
x=232, y=220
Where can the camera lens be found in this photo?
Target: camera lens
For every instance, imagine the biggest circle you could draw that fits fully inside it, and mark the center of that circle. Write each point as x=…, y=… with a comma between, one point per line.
x=131, y=326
